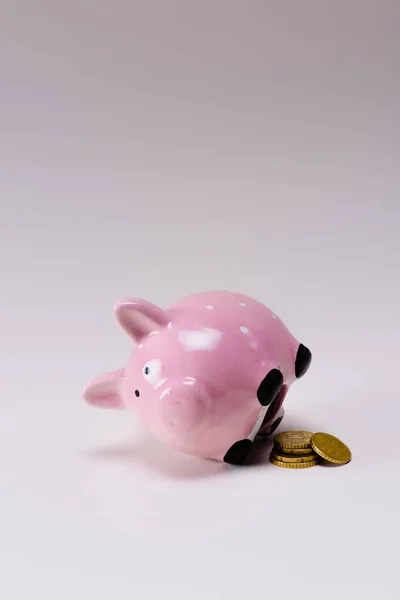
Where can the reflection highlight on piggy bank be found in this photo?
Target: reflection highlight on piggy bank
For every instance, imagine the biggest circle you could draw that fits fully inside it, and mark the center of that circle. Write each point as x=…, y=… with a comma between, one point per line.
x=207, y=374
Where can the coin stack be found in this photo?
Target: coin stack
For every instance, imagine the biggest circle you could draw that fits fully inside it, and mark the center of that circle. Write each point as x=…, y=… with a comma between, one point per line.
x=303, y=449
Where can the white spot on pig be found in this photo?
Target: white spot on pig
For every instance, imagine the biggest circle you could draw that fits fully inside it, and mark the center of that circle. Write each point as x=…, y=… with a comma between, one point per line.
x=165, y=392
x=207, y=339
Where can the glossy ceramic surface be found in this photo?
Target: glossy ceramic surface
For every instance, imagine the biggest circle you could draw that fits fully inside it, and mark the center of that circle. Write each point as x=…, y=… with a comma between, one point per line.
x=194, y=376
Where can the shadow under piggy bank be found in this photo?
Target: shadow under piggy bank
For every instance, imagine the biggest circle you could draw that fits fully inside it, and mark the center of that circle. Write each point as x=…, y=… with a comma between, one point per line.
x=147, y=452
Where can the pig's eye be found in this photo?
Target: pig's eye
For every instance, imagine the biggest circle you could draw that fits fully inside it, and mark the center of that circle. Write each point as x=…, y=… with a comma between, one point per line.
x=151, y=371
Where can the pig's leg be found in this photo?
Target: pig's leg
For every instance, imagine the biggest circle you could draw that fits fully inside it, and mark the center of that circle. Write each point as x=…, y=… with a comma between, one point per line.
x=270, y=393
x=237, y=453
x=274, y=414
x=266, y=431
x=270, y=387
x=303, y=361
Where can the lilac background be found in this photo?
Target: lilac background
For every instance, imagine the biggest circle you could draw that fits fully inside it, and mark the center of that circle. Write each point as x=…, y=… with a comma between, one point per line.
x=160, y=148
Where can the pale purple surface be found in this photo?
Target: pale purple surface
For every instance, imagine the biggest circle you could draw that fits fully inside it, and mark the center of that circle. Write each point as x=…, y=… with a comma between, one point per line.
x=161, y=148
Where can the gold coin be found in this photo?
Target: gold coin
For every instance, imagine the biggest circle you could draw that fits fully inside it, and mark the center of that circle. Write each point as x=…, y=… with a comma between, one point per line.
x=293, y=439
x=293, y=458
x=293, y=465
x=330, y=448
x=293, y=451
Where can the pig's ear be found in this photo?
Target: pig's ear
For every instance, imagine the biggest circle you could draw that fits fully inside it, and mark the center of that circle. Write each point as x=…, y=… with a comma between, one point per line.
x=139, y=317
x=104, y=391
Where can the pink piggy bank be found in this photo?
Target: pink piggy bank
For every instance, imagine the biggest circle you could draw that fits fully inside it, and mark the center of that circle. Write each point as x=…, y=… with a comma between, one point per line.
x=207, y=374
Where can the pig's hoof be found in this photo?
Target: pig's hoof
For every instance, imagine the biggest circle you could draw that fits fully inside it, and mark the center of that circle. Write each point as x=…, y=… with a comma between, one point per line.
x=303, y=360
x=274, y=425
x=237, y=453
x=270, y=387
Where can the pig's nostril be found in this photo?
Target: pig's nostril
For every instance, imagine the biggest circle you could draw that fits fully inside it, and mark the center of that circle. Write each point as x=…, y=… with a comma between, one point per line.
x=137, y=393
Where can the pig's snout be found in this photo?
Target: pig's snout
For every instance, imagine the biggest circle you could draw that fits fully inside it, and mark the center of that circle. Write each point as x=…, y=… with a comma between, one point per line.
x=183, y=409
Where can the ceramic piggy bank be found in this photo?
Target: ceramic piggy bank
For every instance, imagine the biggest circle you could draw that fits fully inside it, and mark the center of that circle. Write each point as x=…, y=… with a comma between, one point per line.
x=206, y=375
